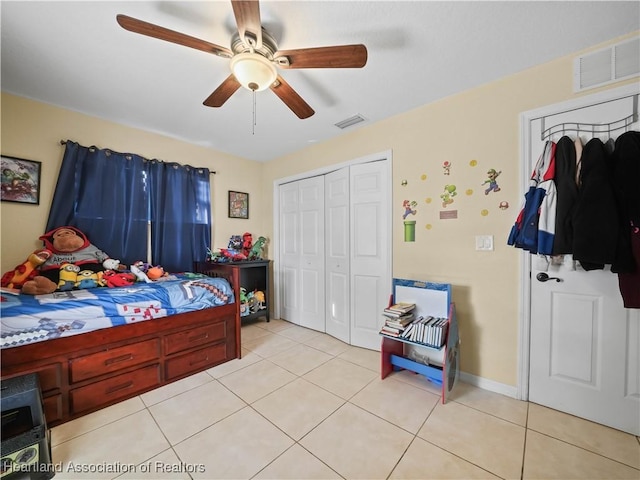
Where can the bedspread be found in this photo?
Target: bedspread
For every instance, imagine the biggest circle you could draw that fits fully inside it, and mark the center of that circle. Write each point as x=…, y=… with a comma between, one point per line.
x=28, y=318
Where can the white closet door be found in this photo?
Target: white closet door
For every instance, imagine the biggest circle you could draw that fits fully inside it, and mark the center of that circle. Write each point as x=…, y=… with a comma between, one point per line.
x=370, y=248
x=312, y=253
x=302, y=252
x=289, y=252
x=337, y=254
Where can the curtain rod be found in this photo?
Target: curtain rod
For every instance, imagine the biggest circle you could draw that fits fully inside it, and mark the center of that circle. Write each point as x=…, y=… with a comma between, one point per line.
x=211, y=172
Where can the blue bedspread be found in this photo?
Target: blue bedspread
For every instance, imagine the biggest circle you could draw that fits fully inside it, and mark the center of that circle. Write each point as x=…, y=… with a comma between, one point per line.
x=28, y=319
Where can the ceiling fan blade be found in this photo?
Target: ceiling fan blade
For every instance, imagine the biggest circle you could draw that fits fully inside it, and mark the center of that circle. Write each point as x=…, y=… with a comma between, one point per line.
x=291, y=98
x=223, y=92
x=149, y=29
x=341, y=56
x=247, y=13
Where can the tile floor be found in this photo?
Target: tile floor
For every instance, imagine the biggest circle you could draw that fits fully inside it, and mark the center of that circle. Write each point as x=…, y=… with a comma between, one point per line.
x=303, y=405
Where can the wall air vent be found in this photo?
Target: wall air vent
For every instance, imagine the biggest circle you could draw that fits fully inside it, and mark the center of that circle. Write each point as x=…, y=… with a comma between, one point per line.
x=357, y=118
x=612, y=64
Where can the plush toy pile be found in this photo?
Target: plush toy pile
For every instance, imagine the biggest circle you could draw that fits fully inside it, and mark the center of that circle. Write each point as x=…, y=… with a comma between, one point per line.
x=239, y=248
x=69, y=261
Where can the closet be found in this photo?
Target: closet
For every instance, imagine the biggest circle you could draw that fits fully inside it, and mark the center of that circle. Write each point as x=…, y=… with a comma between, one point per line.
x=334, y=251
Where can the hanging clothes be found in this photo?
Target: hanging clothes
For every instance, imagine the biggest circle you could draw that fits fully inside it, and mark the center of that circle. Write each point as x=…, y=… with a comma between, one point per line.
x=595, y=218
x=535, y=225
x=567, y=195
x=626, y=185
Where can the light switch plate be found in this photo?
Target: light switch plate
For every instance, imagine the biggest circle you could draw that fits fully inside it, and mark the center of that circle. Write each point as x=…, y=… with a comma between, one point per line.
x=484, y=242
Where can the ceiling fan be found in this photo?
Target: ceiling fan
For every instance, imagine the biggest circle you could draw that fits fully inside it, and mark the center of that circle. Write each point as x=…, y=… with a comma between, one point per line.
x=255, y=58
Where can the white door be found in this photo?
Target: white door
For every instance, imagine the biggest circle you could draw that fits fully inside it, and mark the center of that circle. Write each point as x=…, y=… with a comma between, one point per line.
x=337, y=306
x=289, y=251
x=370, y=248
x=302, y=252
x=584, y=345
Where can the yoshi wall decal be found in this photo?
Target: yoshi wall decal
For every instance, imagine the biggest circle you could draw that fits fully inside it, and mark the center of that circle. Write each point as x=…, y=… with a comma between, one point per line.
x=447, y=196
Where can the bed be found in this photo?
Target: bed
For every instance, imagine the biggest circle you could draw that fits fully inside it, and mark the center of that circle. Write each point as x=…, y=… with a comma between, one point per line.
x=93, y=348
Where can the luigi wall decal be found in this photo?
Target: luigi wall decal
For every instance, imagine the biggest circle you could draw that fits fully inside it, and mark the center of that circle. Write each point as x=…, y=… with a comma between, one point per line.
x=492, y=174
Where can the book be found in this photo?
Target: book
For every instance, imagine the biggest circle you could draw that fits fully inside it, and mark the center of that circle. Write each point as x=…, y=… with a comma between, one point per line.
x=400, y=322
x=389, y=331
x=395, y=314
x=400, y=307
x=418, y=331
x=409, y=328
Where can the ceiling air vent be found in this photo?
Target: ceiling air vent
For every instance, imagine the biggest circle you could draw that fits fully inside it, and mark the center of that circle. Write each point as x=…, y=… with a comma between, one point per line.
x=608, y=65
x=350, y=121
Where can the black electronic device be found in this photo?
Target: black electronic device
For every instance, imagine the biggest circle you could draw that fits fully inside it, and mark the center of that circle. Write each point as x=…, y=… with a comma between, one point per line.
x=25, y=449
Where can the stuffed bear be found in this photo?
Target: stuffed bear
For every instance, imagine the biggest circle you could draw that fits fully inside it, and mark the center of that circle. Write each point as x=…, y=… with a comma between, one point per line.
x=68, y=245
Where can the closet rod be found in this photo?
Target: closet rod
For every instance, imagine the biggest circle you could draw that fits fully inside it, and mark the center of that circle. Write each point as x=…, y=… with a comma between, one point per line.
x=212, y=172
x=593, y=128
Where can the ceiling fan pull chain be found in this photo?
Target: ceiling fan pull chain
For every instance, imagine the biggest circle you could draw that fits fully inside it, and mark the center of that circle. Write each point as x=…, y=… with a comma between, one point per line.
x=253, y=132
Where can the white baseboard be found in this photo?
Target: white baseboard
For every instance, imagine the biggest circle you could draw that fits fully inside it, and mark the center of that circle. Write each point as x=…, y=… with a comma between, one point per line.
x=490, y=385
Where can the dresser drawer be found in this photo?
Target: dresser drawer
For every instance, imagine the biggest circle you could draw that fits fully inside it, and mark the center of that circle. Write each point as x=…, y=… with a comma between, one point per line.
x=197, y=360
x=49, y=376
x=52, y=408
x=112, y=360
x=193, y=337
x=110, y=390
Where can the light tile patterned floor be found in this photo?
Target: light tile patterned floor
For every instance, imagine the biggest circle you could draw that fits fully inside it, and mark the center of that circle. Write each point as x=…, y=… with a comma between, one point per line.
x=303, y=405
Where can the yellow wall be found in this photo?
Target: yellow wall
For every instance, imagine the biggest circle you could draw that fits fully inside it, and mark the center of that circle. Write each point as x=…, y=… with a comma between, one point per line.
x=33, y=130
x=480, y=125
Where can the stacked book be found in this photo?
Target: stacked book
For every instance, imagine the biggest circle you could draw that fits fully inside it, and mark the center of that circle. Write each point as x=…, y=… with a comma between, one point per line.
x=399, y=309
x=397, y=318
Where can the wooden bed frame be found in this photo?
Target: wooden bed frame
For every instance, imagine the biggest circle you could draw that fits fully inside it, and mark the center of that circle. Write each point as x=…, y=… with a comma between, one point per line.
x=89, y=371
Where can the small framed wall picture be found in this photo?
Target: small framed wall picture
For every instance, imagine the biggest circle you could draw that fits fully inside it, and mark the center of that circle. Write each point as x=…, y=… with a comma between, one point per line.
x=20, y=180
x=238, y=204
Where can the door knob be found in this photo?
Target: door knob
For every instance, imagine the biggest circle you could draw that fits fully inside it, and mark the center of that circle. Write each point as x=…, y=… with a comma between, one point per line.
x=543, y=277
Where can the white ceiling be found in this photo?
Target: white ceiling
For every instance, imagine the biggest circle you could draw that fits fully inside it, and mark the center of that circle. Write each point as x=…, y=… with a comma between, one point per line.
x=75, y=55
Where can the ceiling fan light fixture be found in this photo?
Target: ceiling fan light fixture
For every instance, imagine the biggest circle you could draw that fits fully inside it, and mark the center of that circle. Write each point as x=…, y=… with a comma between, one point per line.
x=253, y=71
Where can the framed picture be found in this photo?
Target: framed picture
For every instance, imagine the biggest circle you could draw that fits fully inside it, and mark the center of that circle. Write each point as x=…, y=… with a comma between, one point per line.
x=20, y=180
x=238, y=205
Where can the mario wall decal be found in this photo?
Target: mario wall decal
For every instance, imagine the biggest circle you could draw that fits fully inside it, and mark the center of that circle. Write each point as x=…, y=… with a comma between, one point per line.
x=409, y=225
x=409, y=208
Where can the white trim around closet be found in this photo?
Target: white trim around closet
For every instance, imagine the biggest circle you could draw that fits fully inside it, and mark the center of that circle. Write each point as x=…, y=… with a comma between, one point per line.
x=374, y=157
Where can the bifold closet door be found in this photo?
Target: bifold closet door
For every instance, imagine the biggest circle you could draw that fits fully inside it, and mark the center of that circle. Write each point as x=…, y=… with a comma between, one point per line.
x=370, y=250
x=337, y=239
x=302, y=252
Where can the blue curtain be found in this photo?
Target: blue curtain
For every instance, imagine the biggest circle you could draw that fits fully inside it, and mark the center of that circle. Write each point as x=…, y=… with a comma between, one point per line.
x=112, y=196
x=180, y=210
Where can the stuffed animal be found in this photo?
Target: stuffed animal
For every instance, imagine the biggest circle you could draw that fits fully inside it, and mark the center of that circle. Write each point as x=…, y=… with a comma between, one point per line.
x=25, y=271
x=247, y=243
x=88, y=279
x=113, y=278
x=141, y=276
x=257, y=249
x=154, y=273
x=68, y=245
x=67, y=276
